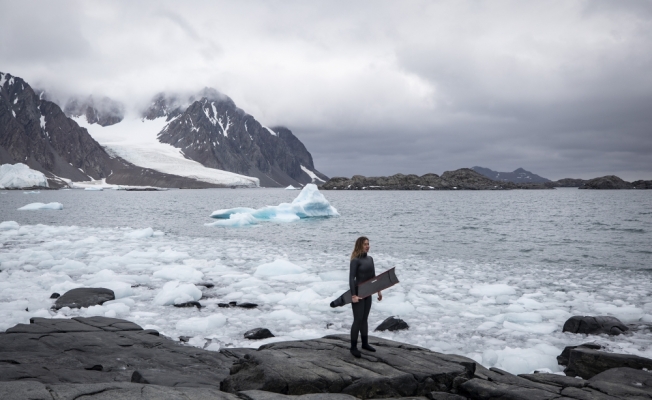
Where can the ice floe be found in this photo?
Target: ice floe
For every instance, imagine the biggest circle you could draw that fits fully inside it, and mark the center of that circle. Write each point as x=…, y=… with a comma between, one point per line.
x=42, y=206
x=308, y=204
x=291, y=188
x=502, y=316
x=19, y=176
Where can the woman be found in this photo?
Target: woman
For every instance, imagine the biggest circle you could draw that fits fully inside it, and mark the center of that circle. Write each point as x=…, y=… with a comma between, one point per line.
x=362, y=269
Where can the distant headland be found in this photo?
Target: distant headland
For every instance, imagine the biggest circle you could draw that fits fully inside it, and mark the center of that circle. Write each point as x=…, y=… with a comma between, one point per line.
x=477, y=178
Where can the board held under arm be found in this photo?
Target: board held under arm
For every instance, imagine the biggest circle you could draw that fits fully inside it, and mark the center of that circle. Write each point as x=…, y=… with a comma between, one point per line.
x=374, y=285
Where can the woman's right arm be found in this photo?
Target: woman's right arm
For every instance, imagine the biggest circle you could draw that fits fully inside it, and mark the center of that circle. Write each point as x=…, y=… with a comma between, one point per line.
x=353, y=270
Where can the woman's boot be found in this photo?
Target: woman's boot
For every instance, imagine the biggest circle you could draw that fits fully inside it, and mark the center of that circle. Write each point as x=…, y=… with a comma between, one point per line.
x=354, y=349
x=365, y=344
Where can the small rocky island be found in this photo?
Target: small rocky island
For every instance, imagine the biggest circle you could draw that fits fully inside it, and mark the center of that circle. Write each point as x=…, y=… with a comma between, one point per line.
x=469, y=179
x=106, y=358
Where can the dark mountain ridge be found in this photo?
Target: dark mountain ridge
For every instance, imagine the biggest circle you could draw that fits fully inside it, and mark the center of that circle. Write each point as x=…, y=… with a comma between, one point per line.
x=36, y=132
x=519, y=175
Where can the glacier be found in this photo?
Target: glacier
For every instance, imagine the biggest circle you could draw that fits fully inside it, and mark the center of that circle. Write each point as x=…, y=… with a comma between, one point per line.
x=19, y=176
x=310, y=203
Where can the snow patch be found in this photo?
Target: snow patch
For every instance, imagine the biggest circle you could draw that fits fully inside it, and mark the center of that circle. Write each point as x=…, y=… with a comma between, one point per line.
x=311, y=174
x=271, y=131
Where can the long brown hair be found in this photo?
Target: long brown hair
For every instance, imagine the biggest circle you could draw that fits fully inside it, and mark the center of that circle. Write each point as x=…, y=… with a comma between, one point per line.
x=358, y=249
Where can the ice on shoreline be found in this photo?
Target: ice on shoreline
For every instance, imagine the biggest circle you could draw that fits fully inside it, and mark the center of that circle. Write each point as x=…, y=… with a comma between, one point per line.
x=20, y=176
x=309, y=203
x=42, y=206
x=504, y=316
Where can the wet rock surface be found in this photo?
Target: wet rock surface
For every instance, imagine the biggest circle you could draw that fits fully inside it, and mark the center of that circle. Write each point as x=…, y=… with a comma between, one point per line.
x=392, y=324
x=594, y=325
x=84, y=297
x=258, y=333
x=588, y=363
x=107, y=358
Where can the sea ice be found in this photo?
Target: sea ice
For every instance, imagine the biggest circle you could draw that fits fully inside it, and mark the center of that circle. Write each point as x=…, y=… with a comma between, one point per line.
x=42, y=206
x=276, y=268
x=9, y=225
x=20, y=176
x=174, y=292
x=309, y=203
x=94, y=189
x=140, y=234
x=181, y=273
x=201, y=324
x=291, y=188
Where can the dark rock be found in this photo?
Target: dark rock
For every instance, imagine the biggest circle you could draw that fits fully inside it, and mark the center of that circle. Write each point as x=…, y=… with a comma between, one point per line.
x=594, y=325
x=174, y=379
x=518, y=176
x=55, y=295
x=258, y=333
x=189, y=304
x=640, y=184
x=34, y=390
x=587, y=363
x=569, y=182
x=54, y=351
x=325, y=365
x=262, y=395
x=103, y=112
x=233, y=303
x=625, y=383
x=248, y=305
x=557, y=380
x=84, y=297
x=207, y=285
x=184, y=339
x=95, y=367
x=223, y=305
x=392, y=324
x=562, y=359
x=606, y=182
x=444, y=396
x=488, y=390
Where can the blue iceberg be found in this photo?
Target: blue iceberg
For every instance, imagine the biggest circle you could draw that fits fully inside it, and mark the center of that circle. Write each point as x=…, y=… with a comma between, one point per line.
x=310, y=203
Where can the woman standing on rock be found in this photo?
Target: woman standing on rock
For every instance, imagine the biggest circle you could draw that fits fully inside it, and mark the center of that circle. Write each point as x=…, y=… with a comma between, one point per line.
x=362, y=269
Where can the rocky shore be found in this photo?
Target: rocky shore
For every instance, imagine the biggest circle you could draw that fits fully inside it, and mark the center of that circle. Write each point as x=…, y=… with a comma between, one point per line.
x=468, y=179
x=108, y=358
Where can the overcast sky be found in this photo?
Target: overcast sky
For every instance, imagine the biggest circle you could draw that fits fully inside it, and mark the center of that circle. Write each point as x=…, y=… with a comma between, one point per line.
x=561, y=88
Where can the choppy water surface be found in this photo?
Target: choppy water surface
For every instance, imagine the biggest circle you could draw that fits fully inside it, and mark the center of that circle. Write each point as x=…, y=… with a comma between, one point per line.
x=491, y=275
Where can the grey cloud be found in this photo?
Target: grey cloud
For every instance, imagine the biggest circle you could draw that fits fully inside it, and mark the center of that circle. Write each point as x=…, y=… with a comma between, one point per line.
x=375, y=87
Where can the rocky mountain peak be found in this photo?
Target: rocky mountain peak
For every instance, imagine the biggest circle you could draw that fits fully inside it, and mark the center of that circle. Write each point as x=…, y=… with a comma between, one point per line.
x=104, y=111
x=519, y=175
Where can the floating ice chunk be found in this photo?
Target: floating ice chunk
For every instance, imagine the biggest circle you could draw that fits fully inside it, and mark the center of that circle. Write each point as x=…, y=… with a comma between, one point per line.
x=42, y=206
x=8, y=225
x=302, y=297
x=94, y=189
x=291, y=188
x=516, y=360
x=524, y=317
x=625, y=313
x=174, y=292
x=199, y=324
x=20, y=176
x=276, y=268
x=492, y=290
x=541, y=328
x=309, y=203
x=288, y=315
x=120, y=289
x=235, y=219
x=395, y=304
x=140, y=233
x=181, y=273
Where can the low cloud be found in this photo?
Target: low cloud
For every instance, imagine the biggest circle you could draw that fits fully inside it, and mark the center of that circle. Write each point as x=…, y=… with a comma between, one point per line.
x=560, y=88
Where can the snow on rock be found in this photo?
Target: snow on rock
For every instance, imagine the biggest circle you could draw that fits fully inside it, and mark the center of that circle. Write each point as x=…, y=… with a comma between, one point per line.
x=311, y=174
x=42, y=206
x=20, y=176
x=175, y=292
x=308, y=204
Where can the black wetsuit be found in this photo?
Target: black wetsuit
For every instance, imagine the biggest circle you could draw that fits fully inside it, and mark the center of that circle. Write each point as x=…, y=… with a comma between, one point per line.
x=362, y=269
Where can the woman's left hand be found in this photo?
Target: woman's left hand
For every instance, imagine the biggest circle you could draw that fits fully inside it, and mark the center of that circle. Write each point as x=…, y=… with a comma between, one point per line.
x=380, y=296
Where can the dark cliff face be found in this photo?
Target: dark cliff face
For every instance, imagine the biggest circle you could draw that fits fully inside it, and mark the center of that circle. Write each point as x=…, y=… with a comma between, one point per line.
x=103, y=112
x=38, y=133
x=519, y=175
x=217, y=134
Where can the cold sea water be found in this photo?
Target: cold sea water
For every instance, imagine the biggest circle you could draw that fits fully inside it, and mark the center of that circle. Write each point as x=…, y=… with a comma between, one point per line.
x=492, y=275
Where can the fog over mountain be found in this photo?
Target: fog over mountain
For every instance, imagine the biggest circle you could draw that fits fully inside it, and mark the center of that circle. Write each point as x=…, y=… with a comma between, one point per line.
x=372, y=88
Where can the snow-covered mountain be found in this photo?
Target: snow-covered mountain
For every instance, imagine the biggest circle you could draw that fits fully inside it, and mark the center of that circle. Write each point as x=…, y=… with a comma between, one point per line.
x=210, y=129
x=36, y=132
